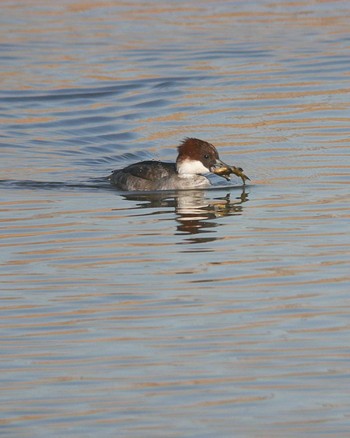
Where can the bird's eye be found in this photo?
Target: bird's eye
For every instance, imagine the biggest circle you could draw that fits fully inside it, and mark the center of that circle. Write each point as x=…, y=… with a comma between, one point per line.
x=206, y=156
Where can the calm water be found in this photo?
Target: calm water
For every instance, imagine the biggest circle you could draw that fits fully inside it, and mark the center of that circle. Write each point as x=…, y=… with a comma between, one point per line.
x=197, y=314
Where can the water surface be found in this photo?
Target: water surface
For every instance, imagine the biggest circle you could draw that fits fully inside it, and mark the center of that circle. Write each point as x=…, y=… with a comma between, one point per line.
x=200, y=313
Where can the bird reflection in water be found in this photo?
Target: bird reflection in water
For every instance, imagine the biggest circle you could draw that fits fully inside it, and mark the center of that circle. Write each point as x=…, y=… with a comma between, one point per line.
x=196, y=212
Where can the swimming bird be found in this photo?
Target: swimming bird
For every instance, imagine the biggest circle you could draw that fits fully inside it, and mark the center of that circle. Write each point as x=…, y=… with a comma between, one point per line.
x=195, y=158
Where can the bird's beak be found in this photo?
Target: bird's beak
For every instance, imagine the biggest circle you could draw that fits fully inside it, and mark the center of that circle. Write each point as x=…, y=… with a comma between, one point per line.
x=218, y=165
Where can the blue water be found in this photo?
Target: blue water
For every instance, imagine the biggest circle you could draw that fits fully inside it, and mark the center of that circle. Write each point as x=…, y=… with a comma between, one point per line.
x=219, y=312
